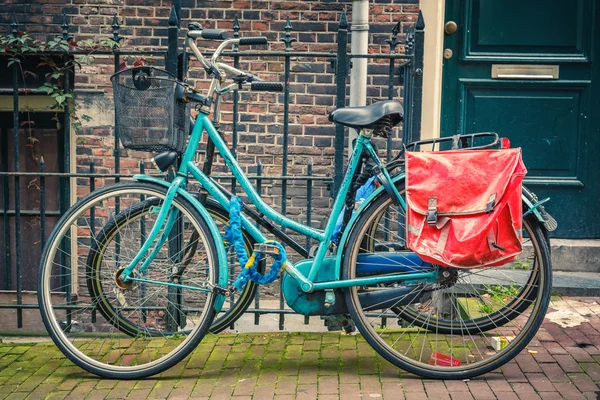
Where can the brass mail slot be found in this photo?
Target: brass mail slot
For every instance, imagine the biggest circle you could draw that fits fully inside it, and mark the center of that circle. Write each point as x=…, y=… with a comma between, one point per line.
x=524, y=71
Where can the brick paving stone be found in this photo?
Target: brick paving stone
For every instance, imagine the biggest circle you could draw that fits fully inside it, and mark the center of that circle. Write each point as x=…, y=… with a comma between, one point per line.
x=512, y=372
x=221, y=393
x=328, y=397
x=412, y=383
x=245, y=387
x=307, y=376
x=579, y=354
x=567, y=363
x=456, y=386
x=461, y=396
x=264, y=392
x=480, y=390
x=541, y=355
x=568, y=391
x=328, y=385
x=554, y=372
x=525, y=391
x=60, y=395
x=350, y=391
x=417, y=395
x=583, y=382
x=436, y=390
x=369, y=385
x=527, y=363
x=42, y=391
x=17, y=396
x=540, y=382
x=554, y=348
x=550, y=396
x=138, y=394
x=286, y=385
x=97, y=394
x=306, y=392
x=81, y=390
x=392, y=391
x=498, y=383
x=592, y=369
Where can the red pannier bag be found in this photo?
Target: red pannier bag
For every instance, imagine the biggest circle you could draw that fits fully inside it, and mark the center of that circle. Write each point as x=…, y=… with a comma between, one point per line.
x=464, y=207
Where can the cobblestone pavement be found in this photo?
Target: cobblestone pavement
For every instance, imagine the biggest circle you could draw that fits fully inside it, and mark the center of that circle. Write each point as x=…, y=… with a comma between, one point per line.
x=562, y=362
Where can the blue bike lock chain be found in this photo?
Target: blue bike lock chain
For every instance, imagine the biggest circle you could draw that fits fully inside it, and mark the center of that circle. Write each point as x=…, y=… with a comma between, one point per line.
x=233, y=237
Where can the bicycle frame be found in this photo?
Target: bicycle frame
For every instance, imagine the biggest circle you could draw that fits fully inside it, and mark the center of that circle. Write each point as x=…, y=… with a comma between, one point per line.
x=188, y=167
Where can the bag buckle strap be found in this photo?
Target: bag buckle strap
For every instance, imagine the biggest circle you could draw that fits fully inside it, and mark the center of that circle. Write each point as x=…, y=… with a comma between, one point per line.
x=489, y=207
x=432, y=211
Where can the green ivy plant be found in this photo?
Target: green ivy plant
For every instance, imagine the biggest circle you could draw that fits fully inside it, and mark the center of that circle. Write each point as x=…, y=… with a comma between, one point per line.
x=18, y=47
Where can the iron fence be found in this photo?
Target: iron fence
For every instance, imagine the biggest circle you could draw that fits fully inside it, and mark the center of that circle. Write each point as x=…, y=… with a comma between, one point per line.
x=406, y=67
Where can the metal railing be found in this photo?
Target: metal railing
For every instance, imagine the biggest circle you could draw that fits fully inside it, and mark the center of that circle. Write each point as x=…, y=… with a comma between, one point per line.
x=406, y=67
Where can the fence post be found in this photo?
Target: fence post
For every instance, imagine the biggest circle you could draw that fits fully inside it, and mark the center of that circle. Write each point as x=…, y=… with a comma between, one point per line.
x=117, y=65
x=288, y=40
x=393, y=42
x=173, y=34
x=15, y=32
x=417, y=97
x=341, y=72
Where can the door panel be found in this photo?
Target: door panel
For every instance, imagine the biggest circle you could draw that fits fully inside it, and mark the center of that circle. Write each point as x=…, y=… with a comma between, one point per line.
x=518, y=28
x=551, y=119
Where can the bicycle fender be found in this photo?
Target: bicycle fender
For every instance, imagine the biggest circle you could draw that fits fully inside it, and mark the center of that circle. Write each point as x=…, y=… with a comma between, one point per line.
x=222, y=256
x=527, y=196
x=530, y=200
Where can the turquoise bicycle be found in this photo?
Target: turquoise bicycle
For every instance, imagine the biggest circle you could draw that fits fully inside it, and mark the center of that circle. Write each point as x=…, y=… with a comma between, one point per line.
x=134, y=274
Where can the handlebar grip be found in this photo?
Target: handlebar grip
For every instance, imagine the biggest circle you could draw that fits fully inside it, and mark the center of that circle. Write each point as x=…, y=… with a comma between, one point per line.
x=262, y=86
x=214, y=34
x=247, y=41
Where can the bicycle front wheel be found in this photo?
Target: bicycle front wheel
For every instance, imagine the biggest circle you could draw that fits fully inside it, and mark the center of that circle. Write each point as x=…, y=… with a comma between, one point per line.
x=459, y=325
x=133, y=329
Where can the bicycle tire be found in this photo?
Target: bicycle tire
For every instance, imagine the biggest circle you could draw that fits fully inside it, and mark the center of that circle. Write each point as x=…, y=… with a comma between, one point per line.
x=101, y=356
x=376, y=337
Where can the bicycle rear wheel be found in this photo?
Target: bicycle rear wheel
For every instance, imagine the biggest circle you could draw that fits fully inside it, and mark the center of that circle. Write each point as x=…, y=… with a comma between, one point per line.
x=163, y=304
x=136, y=223
x=457, y=326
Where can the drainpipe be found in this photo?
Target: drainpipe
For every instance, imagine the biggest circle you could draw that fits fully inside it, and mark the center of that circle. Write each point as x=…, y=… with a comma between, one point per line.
x=360, y=43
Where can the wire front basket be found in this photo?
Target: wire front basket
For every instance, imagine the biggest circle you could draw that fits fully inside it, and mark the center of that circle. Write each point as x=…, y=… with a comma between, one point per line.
x=149, y=117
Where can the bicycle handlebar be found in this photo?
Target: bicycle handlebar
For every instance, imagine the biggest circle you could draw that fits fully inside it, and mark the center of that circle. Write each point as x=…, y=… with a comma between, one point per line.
x=265, y=86
x=214, y=34
x=247, y=41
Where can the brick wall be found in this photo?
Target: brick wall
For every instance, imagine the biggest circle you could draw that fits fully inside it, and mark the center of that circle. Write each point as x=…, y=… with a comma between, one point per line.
x=260, y=127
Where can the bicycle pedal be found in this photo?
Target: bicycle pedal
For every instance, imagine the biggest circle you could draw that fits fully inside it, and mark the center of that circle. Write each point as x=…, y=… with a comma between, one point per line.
x=266, y=249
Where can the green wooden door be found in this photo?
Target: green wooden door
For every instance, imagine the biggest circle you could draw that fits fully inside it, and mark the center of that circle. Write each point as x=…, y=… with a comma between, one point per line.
x=523, y=68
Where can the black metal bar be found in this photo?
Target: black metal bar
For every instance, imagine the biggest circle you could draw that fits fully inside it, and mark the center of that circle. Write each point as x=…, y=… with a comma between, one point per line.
x=340, y=80
x=408, y=90
x=309, y=194
x=42, y=205
x=259, y=169
x=17, y=195
x=288, y=40
x=173, y=35
x=417, y=96
x=93, y=209
x=5, y=218
x=236, y=99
